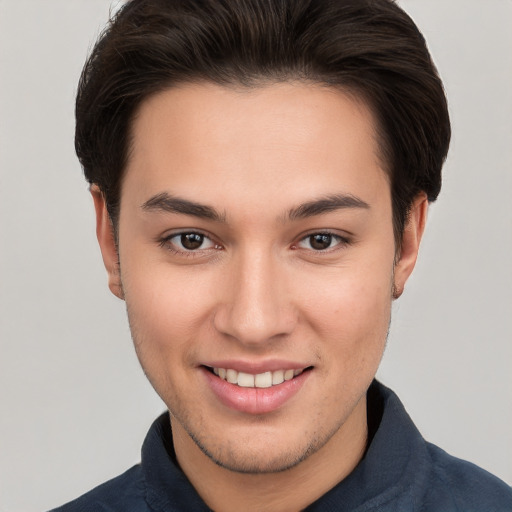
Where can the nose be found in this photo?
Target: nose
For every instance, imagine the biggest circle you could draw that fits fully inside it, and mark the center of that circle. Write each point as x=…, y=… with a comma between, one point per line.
x=257, y=307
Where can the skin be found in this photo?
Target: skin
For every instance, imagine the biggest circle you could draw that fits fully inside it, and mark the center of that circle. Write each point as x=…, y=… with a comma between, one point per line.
x=256, y=289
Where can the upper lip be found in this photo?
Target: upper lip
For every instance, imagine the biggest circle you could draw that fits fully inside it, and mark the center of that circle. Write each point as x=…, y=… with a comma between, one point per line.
x=256, y=367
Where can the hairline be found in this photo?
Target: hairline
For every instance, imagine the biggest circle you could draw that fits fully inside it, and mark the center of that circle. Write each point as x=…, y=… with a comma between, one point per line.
x=358, y=96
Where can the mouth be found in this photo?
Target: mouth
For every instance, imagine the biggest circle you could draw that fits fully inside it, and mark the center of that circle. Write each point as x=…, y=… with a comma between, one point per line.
x=268, y=389
x=259, y=380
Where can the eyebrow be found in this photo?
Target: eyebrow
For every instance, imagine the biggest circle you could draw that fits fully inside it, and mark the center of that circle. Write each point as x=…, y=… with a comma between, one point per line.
x=327, y=204
x=165, y=202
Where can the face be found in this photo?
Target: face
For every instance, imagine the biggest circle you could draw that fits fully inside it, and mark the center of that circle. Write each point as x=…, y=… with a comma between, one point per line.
x=257, y=261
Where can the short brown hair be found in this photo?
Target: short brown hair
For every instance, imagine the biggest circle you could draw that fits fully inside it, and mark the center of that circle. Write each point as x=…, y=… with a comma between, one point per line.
x=368, y=47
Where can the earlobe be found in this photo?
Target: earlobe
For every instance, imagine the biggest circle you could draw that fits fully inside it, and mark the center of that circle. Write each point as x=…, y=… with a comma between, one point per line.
x=411, y=238
x=106, y=240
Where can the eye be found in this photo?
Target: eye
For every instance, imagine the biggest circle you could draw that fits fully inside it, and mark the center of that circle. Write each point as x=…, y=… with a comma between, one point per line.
x=321, y=241
x=188, y=242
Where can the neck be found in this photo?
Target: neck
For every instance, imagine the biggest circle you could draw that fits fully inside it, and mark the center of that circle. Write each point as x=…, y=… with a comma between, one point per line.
x=286, y=491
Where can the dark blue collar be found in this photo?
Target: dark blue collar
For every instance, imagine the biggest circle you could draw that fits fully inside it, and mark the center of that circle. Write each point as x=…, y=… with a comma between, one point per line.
x=392, y=462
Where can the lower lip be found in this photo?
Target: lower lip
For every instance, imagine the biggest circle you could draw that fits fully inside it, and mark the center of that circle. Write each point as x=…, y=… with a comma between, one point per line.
x=254, y=400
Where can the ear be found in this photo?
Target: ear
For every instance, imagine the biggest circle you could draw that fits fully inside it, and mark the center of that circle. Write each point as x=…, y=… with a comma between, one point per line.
x=105, y=235
x=411, y=238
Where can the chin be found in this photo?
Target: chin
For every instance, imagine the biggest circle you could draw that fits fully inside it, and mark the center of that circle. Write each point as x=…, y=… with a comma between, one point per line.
x=264, y=452
x=242, y=461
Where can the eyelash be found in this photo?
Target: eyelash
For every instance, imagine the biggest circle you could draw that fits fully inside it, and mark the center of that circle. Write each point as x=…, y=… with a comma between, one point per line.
x=341, y=241
x=166, y=243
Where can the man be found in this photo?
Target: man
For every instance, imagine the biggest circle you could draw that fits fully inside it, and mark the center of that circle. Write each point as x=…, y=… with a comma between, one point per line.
x=261, y=172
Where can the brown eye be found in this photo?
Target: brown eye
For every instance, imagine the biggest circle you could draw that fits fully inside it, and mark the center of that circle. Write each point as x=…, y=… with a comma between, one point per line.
x=320, y=241
x=191, y=241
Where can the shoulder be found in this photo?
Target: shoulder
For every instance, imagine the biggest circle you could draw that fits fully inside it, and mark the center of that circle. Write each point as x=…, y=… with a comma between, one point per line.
x=468, y=487
x=125, y=492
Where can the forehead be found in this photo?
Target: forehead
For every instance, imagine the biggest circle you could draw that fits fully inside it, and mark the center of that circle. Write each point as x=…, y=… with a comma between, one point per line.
x=215, y=141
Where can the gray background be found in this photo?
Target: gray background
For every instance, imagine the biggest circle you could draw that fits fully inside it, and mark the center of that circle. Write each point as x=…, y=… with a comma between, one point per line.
x=74, y=404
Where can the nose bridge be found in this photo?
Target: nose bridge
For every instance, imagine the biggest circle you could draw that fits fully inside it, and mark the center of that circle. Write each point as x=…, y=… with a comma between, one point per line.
x=257, y=306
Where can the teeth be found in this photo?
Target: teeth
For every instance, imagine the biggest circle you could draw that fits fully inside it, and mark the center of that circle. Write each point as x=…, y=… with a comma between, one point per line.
x=232, y=376
x=277, y=377
x=288, y=375
x=245, y=380
x=261, y=380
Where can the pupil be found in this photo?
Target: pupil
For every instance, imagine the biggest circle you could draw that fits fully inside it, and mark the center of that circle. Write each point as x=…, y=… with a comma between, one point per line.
x=192, y=240
x=320, y=241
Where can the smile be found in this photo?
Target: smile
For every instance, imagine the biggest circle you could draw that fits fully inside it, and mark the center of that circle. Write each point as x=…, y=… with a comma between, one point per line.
x=259, y=380
x=255, y=393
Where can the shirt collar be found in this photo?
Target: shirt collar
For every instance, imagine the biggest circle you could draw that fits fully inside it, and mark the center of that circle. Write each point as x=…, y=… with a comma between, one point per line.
x=391, y=463
x=394, y=461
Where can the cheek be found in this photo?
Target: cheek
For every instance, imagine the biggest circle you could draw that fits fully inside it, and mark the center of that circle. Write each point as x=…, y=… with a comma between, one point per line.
x=167, y=310
x=351, y=312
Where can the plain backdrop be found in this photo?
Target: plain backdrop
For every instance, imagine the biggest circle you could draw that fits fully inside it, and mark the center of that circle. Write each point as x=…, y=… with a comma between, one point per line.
x=75, y=406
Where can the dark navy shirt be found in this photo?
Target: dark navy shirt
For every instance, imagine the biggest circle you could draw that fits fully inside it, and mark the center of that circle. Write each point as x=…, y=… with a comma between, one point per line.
x=400, y=472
